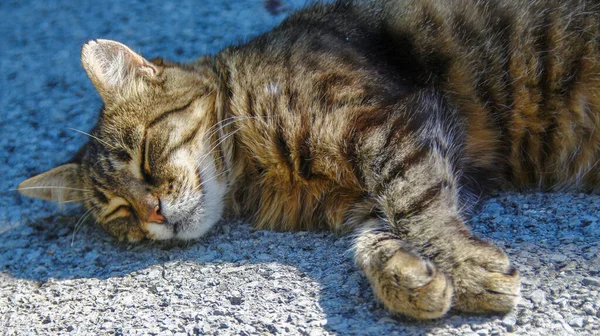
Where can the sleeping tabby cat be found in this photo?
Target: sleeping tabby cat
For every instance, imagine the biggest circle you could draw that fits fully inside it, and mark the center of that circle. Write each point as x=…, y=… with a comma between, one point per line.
x=387, y=119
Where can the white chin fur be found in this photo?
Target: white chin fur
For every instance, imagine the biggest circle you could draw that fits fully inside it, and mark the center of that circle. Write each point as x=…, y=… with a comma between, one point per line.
x=207, y=215
x=159, y=231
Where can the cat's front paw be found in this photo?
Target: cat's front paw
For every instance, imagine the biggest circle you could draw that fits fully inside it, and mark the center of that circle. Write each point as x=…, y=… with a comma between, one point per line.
x=413, y=286
x=485, y=281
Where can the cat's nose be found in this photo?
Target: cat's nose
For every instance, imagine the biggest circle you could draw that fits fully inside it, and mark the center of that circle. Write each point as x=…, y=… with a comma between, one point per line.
x=155, y=216
x=152, y=210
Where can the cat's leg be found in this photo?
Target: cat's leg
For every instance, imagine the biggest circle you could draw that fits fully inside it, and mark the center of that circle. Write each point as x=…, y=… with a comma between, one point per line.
x=422, y=209
x=402, y=280
x=411, y=167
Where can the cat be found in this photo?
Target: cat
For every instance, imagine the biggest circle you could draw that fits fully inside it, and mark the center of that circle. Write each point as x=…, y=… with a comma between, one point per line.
x=384, y=119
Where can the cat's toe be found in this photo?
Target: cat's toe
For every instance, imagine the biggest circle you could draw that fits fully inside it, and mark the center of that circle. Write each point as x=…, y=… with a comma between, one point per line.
x=486, y=282
x=412, y=286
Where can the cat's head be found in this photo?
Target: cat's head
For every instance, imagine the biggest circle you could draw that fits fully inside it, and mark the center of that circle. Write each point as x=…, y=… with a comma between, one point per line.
x=149, y=169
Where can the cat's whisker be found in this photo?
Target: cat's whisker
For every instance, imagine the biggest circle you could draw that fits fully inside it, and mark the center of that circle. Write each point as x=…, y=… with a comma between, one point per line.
x=216, y=124
x=219, y=124
x=225, y=137
x=210, y=152
x=75, y=201
x=203, y=169
x=231, y=120
x=187, y=185
x=80, y=222
x=93, y=137
x=215, y=131
x=214, y=176
x=51, y=187
x=201, y=184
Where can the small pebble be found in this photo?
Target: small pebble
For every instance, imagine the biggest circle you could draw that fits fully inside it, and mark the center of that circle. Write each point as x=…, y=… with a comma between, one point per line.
x=576, y=322
x=568, y=328
x=591, y=282
x=538, y=297
x=558, y=258
x=509, y=322
x=588, y=308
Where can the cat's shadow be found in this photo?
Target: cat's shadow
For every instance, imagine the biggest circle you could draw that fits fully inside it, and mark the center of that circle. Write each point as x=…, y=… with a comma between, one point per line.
x=47, y=249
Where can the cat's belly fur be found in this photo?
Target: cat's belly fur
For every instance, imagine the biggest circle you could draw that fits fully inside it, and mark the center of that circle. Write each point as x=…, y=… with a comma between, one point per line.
x=304, y=178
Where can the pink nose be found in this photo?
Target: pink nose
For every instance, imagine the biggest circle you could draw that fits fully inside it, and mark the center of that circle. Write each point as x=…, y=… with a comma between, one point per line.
x=149, y=209
x=155, y=216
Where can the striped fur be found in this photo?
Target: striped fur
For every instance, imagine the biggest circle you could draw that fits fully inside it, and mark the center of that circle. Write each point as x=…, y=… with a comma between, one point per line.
x=383, y=118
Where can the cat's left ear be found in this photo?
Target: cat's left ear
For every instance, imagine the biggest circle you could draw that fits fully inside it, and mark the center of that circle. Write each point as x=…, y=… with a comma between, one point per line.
x=61, y=184
x=115, y=69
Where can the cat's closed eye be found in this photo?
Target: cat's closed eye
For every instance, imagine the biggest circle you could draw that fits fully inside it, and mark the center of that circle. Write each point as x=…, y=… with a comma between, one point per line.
x=122, y=155
x=117, y=212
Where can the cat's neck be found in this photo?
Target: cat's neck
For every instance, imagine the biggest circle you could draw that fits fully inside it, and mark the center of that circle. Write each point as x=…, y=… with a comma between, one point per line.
x=227, y=121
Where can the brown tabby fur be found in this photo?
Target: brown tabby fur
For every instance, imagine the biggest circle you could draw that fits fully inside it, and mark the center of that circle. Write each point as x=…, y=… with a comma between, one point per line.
x=382, y=118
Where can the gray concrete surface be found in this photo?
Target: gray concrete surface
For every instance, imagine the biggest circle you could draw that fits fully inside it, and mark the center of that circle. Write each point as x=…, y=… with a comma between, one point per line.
x=59, y=274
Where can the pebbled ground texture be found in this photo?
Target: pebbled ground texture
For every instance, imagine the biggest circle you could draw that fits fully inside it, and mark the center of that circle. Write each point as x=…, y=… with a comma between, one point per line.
x=60, y=274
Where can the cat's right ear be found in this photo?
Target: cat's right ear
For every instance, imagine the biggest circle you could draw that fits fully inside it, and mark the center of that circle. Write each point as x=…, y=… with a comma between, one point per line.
x=61, y=184
x=116, y=70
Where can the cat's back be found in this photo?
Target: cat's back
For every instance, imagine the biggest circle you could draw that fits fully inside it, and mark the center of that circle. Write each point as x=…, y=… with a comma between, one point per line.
x=524, y=74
